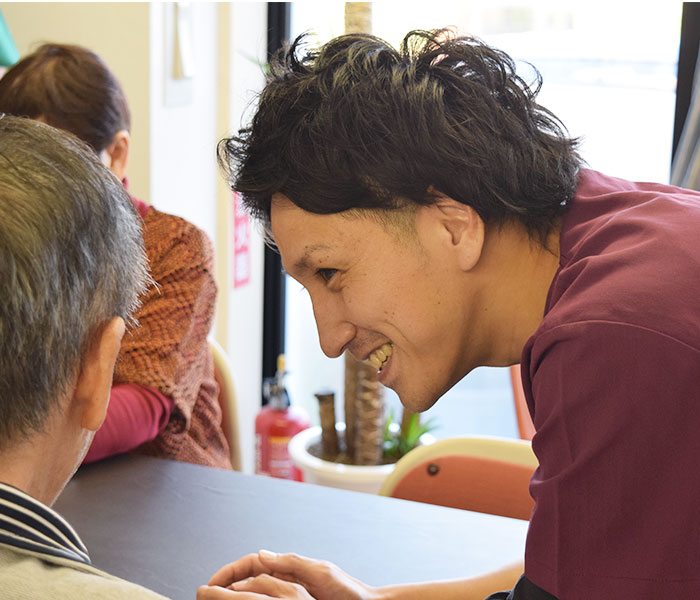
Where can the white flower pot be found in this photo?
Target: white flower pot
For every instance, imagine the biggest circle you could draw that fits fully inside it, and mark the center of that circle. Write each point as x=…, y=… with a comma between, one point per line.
x=360, y=478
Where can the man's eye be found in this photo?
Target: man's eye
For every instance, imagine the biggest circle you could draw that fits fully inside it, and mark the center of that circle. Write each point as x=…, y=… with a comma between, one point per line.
x=326, y=274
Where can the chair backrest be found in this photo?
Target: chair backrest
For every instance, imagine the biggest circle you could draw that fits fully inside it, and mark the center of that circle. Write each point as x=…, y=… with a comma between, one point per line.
x=227, y=400
x=480, y=473
x=526, y=428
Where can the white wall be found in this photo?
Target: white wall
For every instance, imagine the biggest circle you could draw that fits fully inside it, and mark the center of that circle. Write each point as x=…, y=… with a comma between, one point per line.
x=173, y=156
x=119, y=33
x=248, y=27
x=183, y=127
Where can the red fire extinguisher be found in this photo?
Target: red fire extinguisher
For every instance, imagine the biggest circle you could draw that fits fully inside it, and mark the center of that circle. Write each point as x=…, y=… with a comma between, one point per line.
x=275, y=425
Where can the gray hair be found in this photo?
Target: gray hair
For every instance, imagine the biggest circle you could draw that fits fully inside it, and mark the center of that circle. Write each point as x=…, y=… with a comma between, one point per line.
x=71, y=257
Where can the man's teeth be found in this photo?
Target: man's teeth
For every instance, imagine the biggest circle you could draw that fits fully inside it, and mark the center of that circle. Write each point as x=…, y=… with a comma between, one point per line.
x=379, y=357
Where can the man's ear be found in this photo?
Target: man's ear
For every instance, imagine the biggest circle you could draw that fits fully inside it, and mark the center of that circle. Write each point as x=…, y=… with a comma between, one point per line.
x=116, y=155
x=94, y=382
x=458, y=226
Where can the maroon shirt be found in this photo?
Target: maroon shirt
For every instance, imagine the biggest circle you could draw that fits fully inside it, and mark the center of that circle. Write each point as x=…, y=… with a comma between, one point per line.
x=612, y=378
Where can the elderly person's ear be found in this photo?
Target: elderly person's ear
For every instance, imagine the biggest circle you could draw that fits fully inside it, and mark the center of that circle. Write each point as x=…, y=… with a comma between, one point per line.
x=116, y=155
x=95, y=378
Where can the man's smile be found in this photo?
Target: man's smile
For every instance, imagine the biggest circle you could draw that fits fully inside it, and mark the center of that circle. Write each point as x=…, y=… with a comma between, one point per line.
x=380, y=356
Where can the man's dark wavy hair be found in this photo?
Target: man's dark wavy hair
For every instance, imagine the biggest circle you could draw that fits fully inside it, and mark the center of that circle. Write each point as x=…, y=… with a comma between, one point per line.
x=357, y=124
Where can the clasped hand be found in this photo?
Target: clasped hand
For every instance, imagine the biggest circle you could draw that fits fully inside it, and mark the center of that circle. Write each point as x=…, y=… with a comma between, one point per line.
x=268, y=575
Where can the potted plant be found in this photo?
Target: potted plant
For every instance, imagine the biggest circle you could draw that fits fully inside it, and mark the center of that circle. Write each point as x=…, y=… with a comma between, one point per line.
x=359, y=453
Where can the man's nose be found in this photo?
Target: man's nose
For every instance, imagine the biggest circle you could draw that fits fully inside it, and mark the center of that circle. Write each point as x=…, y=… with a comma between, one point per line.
x=335, y=331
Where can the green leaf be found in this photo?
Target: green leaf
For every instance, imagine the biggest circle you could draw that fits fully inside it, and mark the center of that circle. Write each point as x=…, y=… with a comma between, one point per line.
x=396, y=444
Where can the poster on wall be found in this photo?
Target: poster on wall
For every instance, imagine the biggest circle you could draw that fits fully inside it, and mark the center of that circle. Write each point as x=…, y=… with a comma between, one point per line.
x=241, y=243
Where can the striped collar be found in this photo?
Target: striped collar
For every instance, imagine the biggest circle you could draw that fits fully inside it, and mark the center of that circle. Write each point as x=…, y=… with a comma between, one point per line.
x=28, y=524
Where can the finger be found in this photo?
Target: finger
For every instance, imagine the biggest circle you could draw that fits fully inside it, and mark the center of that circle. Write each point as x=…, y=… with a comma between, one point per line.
x=248, y=566
x=288, y=565
x=309, y=572
x=268, y=585
x=207, y=592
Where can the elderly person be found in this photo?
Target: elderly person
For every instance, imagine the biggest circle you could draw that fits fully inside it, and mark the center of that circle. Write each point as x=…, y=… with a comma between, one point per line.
x=426, y=201
x=72, y=269
x=164, y=398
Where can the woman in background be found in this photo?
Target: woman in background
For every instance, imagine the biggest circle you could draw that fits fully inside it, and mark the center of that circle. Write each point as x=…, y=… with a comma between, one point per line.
x=164, y=397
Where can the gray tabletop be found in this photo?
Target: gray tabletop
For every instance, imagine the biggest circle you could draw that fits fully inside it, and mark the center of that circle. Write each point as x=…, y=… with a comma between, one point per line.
x=170, y=525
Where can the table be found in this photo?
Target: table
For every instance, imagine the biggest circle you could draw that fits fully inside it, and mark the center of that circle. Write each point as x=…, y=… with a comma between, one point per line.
x=169, y=526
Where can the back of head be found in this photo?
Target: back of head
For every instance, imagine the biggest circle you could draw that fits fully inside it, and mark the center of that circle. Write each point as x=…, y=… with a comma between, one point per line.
x=71, y=257
x=68, y=87
x=358, y=124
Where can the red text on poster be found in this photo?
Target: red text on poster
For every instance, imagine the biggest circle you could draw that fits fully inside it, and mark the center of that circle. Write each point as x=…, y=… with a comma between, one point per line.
x=241, y=243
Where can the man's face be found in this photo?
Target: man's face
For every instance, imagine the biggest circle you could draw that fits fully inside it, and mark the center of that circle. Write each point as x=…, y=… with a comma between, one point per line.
x=389, y=296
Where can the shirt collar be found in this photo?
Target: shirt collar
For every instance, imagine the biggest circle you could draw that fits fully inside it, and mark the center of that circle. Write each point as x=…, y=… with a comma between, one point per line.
x=141, y=207
x=28, y=524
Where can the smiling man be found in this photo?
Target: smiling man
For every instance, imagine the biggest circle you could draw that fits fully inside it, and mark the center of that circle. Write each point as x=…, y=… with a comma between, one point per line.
x=402, y=294
x=440, y=220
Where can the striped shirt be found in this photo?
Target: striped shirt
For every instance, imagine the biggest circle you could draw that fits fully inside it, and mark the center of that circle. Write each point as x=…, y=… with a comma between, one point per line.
x=41, y=556
x=28, y=524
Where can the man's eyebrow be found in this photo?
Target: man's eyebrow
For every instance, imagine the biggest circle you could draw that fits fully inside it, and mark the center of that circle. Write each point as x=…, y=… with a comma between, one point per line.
x=303, y=264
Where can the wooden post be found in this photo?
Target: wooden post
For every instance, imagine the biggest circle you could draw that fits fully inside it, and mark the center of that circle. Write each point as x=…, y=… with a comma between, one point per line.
x=351, y=381
x=329, y=436
x=358, y=17
x=364, y=412
x=370, y=418
x=364, y=402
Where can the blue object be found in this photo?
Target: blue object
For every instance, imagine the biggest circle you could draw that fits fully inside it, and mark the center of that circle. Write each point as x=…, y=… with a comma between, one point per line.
x=9, y=54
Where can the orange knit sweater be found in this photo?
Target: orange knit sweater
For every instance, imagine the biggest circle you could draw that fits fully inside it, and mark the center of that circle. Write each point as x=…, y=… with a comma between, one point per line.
x=169, y=350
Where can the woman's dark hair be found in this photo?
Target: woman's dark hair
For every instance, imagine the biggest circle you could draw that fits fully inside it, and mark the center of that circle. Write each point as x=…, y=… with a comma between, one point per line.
x=360, y=125
x=70, y=88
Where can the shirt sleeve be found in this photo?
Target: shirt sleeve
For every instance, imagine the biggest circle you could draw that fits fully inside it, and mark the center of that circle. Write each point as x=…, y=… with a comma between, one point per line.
x=617, y=416
x=135, y=415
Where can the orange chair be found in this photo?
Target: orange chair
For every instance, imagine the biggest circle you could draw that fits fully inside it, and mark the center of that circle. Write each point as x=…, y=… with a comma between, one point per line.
x=525, y=425
x=227, y=400
x=480, y=473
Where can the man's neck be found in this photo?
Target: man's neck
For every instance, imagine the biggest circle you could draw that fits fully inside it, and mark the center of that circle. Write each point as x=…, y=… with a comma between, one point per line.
x=20, y=473
x=522, y=270
x=37, y=466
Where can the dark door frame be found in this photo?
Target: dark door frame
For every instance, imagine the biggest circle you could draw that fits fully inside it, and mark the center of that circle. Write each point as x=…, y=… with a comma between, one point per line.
x=687, y=59
x=278, y=31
